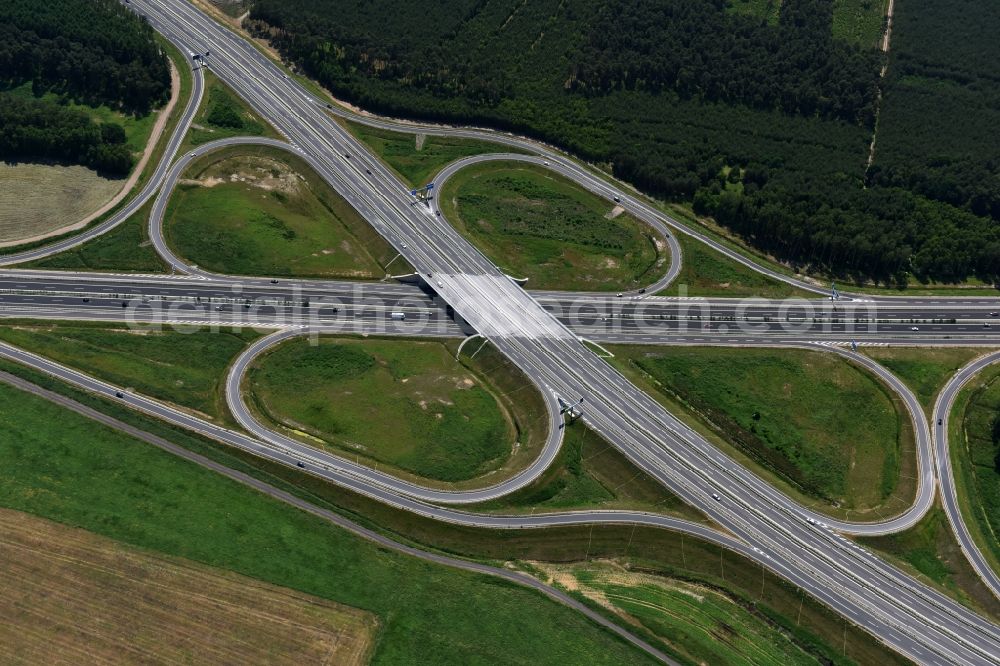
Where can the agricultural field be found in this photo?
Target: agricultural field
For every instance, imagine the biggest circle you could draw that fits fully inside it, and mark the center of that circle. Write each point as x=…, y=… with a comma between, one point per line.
x=827, y=428
x=538, y=225
x=125, y=490
x=183, y=368
x=126, y=249
x=818, y=630
x=36, y=199
x=417, y=158
x=404, y=403
x=261, y=211
x=68, y=592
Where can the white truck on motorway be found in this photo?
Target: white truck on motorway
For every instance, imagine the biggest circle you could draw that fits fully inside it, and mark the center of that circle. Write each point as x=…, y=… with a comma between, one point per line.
x=398, y=316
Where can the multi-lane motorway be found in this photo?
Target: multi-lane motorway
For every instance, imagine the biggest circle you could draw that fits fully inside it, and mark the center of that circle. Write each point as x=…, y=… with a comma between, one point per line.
x=541, y=334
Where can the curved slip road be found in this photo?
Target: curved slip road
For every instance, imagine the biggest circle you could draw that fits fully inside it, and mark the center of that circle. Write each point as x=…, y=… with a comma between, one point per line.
x=593, y=185
x=238, y=407
x=949, y=493
x=338, y=520
x=151, y=186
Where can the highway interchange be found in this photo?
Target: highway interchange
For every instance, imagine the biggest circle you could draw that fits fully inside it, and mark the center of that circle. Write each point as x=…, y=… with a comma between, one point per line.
x=541, y=333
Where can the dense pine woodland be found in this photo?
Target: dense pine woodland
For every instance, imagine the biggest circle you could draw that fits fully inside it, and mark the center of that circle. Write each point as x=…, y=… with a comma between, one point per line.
x=93, y=52
x=766, y=127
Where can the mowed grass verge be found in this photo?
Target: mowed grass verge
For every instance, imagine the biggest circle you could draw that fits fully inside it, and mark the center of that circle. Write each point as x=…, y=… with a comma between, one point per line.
x=536, y=224
x=263, y=211
x=417, y=158
x=403, y=403
x=68, y=592
x=669, y=556
x=64, y=467
x=705, y=272
x=824, y=427
x=184, y=368
x=126, y=248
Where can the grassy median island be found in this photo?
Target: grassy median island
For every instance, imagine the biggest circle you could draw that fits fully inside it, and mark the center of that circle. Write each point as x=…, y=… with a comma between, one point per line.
x=404, y=403
x=64, y=467
x=538, y=225
x=924, y=369
x=417, y=158
x=263, y=211
x=591, y=473
x=974, y=440
x=930, y=552
x=223, y=114
x=811, y=625
x=821, y=425
x=184, y=368
x=706, y=272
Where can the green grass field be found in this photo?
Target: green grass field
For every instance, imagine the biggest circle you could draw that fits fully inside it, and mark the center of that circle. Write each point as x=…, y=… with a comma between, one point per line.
x=408, y=404
x=827, y=427
x=591, y=473
x=705, y=272
x=187, y=369
x=262, y=211
x=125, y=248
x=223, y=114
x=859, y=21
x=925, y=370
x=538, y=225
x=702, y=623
x=975, y=453
x=810, y=624
x=64, y=467
x=418, y=166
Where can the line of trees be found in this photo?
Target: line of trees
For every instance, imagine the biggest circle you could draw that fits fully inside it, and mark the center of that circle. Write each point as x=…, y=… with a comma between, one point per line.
x=39, y=129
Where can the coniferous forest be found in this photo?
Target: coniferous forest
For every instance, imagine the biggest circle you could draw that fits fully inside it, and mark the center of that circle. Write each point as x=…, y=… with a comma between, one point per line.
x=94, y=53
x=765, y=126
